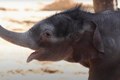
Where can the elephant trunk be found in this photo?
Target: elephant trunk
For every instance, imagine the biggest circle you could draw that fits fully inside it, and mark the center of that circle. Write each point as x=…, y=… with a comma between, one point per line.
x=22, y=39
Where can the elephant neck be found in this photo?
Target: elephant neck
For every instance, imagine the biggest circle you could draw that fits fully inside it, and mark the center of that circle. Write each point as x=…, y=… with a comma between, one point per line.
x=84, y=51
x=100, y=71
x=85, y=54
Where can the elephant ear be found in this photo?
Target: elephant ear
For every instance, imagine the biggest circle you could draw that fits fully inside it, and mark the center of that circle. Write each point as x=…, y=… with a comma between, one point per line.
x=97, y=40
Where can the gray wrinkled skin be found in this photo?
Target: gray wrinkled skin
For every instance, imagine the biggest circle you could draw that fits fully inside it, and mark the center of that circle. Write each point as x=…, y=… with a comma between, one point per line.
x=91, y=39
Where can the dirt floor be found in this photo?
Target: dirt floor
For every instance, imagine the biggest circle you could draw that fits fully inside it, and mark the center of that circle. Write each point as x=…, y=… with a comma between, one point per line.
x=13, y=64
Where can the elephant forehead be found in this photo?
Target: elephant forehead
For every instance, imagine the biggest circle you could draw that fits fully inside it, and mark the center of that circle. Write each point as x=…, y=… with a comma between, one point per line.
x=47, y=27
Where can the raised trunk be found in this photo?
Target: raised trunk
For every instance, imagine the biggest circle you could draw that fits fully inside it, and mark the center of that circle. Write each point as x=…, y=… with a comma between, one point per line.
x=102, y=5
x=22, y=39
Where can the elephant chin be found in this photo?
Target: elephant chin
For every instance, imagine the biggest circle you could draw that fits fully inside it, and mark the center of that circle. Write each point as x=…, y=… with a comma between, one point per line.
x=51, y=55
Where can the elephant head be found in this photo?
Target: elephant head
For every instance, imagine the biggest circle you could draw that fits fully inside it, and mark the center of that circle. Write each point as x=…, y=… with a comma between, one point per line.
x=56, y=37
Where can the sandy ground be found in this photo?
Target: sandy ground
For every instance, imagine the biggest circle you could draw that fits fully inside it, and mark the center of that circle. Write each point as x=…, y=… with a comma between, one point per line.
x=13, y=64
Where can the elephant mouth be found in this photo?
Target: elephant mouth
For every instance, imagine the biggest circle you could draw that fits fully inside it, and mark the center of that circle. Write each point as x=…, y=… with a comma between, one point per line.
x=54, y=54
x=32, y=56
x=35, y=55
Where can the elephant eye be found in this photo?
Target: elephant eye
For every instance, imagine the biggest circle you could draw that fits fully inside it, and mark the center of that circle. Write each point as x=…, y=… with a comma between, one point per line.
x=47, y=33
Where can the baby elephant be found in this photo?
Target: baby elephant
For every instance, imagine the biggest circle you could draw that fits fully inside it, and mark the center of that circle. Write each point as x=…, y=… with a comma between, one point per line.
x=74, y=35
